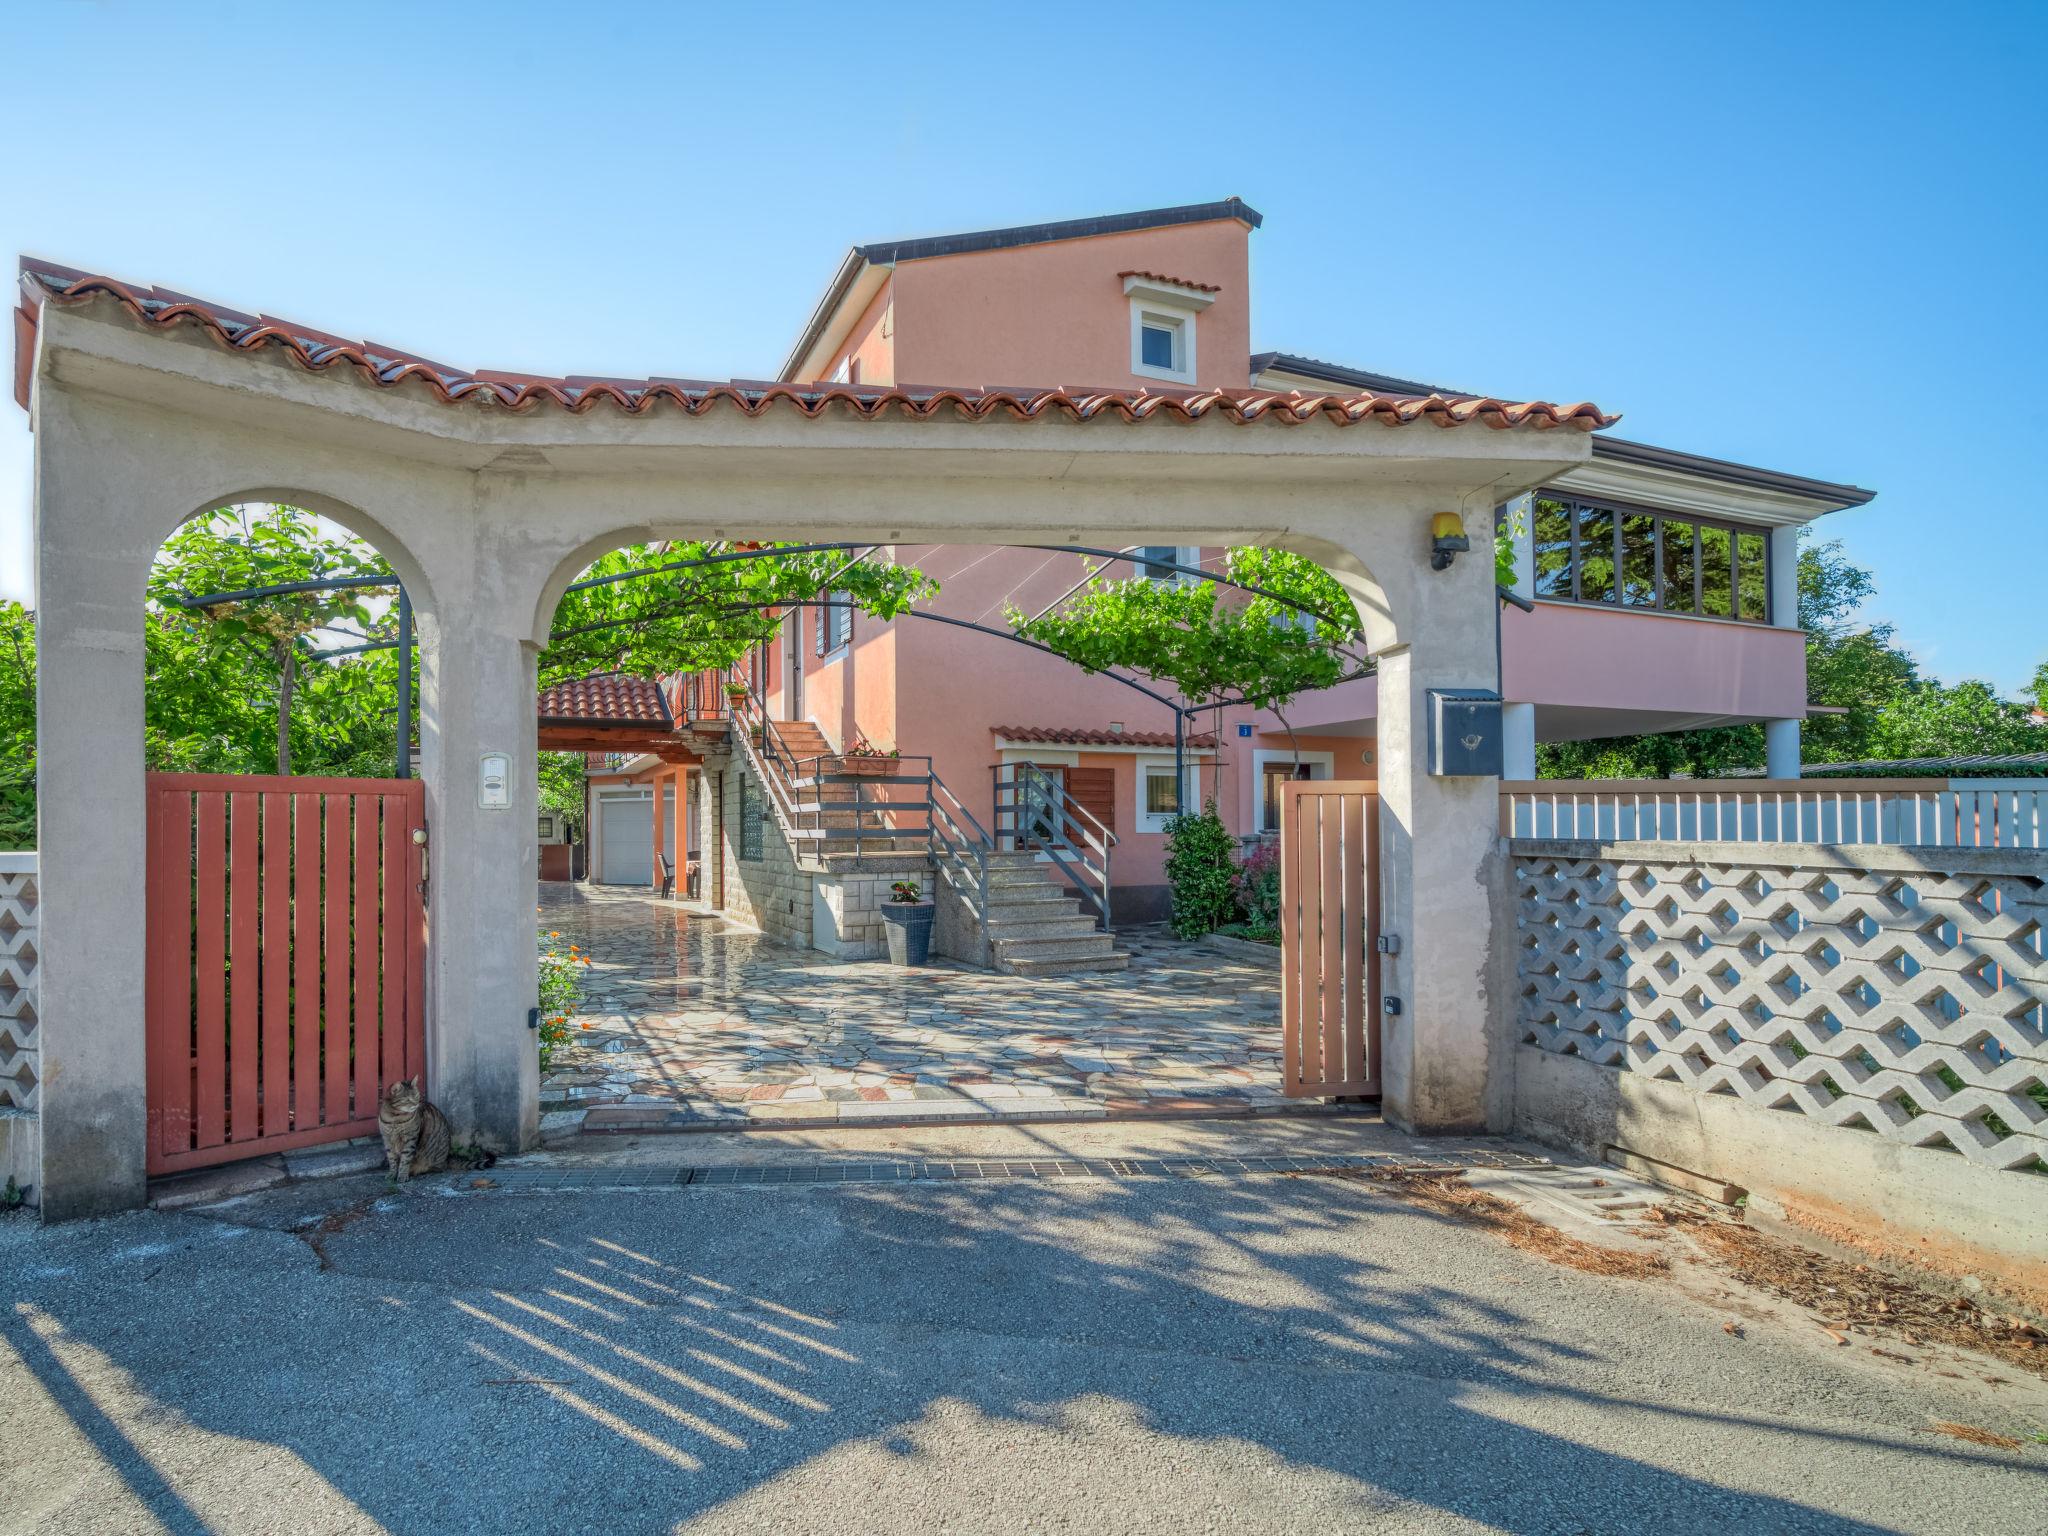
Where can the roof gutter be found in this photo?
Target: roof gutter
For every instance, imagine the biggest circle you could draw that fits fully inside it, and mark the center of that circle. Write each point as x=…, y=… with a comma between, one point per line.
x=1627, y=452
x=822, y=316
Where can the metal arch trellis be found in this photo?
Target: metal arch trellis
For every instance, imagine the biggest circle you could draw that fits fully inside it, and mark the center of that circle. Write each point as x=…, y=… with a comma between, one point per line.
x=1182, y=713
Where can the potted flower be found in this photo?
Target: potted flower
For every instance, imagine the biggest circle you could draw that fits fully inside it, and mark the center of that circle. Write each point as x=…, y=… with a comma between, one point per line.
x=907, y=923
x=735, y=693
x=864, y=759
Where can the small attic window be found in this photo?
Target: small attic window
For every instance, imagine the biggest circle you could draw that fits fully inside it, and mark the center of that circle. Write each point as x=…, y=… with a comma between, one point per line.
x=1158, y=340
x=1163, y=323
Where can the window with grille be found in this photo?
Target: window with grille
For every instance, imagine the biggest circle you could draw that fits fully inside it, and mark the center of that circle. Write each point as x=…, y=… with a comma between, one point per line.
x=752, y=816
x=834, y=623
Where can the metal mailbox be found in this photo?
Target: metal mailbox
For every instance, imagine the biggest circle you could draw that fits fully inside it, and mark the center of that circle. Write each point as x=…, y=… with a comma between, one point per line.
x=1464, y=732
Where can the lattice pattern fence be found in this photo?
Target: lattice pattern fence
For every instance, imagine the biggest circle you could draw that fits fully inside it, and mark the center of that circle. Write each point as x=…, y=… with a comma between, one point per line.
x=1897, y=990
x=19, y=1072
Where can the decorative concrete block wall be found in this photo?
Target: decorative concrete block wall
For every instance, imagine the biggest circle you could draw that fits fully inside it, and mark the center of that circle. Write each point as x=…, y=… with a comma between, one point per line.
x=1855, y=1036
x=20, y=1065
x=1898, y=992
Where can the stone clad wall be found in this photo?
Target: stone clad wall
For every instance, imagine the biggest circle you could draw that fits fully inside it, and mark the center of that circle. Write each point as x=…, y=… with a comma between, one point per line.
x=770, y=893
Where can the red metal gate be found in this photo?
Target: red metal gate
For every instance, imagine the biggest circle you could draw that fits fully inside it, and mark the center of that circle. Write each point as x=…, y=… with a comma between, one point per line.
x=286, y=960
x=1329, y=924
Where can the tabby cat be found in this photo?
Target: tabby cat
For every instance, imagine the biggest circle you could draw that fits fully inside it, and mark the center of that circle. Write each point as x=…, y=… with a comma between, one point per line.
x=416, y=1137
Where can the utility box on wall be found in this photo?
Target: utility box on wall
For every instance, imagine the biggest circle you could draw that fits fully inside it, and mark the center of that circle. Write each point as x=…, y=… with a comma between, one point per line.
x=1464, y=733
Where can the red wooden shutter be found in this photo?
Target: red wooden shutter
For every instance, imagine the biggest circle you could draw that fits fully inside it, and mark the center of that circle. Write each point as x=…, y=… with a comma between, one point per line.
x=1094, y=790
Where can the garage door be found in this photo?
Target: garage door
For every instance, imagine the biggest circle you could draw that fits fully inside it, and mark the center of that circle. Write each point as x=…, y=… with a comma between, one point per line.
x=628, y=841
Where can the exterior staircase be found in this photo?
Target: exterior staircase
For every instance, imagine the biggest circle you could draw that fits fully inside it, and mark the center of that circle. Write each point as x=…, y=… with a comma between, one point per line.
x=1034, y=923
x=1035, y=928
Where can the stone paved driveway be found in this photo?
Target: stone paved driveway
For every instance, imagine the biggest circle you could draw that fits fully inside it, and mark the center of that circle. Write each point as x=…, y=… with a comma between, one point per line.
x=687, y=1018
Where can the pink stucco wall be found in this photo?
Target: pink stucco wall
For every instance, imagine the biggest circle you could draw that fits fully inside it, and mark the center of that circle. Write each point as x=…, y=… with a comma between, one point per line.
x=871, y=342
x=1057, y=314
x=1604, y=658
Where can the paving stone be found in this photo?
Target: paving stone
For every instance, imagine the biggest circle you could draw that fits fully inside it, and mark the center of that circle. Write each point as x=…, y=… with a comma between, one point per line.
x=689, y=1019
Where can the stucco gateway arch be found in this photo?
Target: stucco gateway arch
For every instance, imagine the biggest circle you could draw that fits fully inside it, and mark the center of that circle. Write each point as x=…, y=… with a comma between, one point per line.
x=499, y=489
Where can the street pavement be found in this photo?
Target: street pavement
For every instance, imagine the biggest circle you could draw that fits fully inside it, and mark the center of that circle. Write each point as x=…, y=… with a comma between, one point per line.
x=1263, y=1353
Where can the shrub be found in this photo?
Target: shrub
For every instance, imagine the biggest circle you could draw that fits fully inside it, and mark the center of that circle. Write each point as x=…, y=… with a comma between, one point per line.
x=1200, y=872
x=561, y=988
x=1258, y=887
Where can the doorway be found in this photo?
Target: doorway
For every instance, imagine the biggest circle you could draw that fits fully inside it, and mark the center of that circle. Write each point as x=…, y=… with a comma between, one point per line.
x=793, y=662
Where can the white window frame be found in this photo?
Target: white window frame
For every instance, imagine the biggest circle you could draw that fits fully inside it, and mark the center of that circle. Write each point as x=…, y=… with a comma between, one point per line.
x=1320, y=765
x=1183, y=554
x=1174, y=307
x=1151, y=766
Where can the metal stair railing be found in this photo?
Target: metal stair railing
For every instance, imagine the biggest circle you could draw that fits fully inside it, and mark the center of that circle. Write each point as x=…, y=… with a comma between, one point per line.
x=959, y=849
x=771, y=759
x=888, y=818
x=1034, y=812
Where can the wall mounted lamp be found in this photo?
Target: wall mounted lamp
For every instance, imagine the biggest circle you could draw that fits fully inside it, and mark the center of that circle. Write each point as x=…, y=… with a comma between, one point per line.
x=1447, y=540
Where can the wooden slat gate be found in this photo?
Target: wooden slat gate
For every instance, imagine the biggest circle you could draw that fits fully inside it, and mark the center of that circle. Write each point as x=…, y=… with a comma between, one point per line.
x=286, y=960
x=1329, y=922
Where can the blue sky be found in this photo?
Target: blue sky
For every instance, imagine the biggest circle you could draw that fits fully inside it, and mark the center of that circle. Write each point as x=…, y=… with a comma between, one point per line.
x=1808, y=237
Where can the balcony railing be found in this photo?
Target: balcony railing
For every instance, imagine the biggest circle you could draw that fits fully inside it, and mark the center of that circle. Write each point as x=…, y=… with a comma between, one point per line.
x=1949, y=813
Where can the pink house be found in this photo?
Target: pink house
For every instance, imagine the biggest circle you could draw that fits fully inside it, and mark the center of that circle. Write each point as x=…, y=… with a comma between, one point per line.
x=1657, y=587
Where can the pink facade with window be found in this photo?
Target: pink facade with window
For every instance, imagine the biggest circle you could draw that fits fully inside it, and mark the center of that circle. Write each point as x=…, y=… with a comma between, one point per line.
x=1660, y=582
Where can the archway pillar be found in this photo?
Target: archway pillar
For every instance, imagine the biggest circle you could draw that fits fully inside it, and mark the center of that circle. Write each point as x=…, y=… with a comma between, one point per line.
x=484, y=863
x=92, y=556
x=1443, y=894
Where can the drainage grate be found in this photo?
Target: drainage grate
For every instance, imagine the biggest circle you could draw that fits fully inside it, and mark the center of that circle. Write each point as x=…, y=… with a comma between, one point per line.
x=926, y=1170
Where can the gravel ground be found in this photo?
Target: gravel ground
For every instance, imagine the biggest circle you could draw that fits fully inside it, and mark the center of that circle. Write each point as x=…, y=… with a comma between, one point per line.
x=1145, y=1355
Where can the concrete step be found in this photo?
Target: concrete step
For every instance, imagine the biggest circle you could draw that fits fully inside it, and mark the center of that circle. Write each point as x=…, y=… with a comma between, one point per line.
x=1025, y=896
x=1069, y=947
x=1115, y=961
x=1009, y=876
x=1053, y=925
x=1033, y=918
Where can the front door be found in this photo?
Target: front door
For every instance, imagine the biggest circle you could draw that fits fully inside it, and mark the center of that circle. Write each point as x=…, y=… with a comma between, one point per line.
x=793, y=658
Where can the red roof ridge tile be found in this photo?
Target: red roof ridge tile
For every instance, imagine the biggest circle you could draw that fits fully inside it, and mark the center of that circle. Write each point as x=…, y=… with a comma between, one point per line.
x=1096, y=736
x=48, y=283
x=1178, y=282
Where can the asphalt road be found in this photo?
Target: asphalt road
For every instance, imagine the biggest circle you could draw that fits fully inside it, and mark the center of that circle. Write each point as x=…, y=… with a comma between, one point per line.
x=1090, y=1356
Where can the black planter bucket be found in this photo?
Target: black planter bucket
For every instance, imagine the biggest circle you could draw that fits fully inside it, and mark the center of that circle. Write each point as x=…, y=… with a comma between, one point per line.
x=909, y=931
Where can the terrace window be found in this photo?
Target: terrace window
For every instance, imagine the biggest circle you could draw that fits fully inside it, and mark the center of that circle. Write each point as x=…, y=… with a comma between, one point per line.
x=1666, y=562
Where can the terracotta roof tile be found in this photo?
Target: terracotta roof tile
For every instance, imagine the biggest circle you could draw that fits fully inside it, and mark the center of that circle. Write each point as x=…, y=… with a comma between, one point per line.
x=1071, y=736
x=1178, y=282
x=44, y=283
x=607, y=698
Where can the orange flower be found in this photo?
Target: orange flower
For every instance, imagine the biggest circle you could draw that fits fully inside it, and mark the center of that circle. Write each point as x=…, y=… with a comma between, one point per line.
x=583, y=1026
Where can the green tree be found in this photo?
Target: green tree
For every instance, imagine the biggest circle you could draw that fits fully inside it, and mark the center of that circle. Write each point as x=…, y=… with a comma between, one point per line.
x=2037, y=688
x=17, y=726
x=1929, y=720
x=561, y=786
x=233, y=549
x=709, y=616
x=1210, y=643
